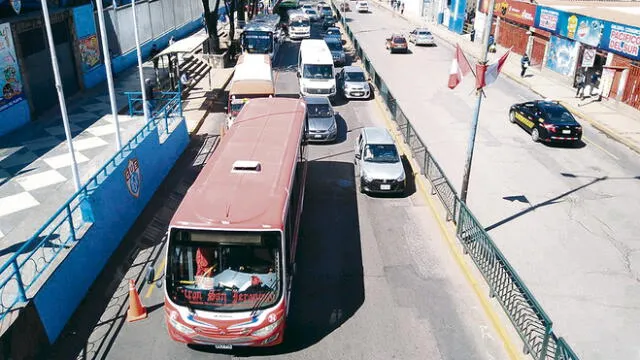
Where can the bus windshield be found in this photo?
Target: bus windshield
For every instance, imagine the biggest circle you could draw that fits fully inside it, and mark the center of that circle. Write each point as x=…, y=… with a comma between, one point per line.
x=223, y=270
x=318, y=71
x=258, y=42
x=299, y=22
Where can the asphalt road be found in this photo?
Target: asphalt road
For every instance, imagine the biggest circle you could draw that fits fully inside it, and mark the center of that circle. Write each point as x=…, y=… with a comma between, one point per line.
x=564, y=217
x=375, y=279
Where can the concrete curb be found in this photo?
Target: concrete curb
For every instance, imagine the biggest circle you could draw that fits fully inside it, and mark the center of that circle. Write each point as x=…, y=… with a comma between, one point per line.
x=207, y=112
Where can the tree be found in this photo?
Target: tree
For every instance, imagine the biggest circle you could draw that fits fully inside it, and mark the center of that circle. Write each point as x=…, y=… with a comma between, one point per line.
x=211, y=22
x=231, y=10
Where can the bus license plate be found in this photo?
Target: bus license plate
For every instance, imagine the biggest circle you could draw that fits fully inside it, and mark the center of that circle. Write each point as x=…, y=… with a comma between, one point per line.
x=385, y=187
x=223, y=346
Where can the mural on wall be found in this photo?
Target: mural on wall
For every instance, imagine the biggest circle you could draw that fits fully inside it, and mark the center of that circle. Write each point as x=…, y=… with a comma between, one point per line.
x=89, y=52
x=562, y=56
x=10, y=80
x=577, y=27
x=622, y=39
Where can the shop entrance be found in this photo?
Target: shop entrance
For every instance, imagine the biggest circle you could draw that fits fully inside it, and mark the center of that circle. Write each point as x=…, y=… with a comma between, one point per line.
x=590, y=64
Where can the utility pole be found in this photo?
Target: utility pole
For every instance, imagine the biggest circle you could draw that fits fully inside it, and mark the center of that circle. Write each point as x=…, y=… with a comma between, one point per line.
x=476, y=112
x=107, y=65
x=61, y=100
x=147, y=115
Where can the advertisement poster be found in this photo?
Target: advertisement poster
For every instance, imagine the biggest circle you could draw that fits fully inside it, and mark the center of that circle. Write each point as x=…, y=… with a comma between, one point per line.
x=10, y=80
x=621, y=39
x=573, y=26
x=89, y=52
x=562, y=56
x=518, y=11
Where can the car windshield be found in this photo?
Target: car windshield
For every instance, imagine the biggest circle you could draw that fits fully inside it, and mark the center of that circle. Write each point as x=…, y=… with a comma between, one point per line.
x=333, y=32
x=258, y=42
x=399, y=40
x=558, y=115
x=310, y=12
x=318, y=72
x=356, y=76
x=224, y=271
x=381, y=153
x=300, y=23
x=334, y=45
x=319, y=110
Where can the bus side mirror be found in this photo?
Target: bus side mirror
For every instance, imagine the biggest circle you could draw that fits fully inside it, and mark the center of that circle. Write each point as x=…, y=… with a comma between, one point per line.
x=357, y=156
x=298, y=74
x=151, y=274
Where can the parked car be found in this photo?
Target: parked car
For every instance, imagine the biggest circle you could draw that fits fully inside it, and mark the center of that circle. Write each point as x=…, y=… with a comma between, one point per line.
x=354, y=83
x=421, y=36
x=333, y=32
x=546, y=121
x=337, y=51
x=379, y=165
x=362, y=6
x=397, y=43
x=322, y=119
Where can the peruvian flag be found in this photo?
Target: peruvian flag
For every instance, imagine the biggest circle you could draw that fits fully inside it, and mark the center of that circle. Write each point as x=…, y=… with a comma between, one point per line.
x=487, y=74
x=459, y=68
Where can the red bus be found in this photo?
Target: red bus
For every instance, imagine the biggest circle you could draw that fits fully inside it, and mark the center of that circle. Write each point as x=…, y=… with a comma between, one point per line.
x=232, y=241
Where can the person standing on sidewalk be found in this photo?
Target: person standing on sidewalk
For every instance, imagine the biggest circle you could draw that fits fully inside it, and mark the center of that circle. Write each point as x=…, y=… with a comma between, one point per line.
x=524, y=64
x=580, y=82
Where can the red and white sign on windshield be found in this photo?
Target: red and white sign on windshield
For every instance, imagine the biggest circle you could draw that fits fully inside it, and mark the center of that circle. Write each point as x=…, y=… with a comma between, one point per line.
x=518, y=11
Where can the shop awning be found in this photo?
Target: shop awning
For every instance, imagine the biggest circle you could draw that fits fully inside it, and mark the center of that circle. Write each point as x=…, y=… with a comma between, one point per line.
x=187, y=45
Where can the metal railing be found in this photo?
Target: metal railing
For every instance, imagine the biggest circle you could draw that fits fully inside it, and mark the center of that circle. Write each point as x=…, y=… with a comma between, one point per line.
x=20, y=274
x=527, y=316
x=167, y=105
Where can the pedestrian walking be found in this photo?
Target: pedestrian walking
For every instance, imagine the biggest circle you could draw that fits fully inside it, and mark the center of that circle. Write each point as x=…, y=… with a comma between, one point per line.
x=580, y=83
x=473, y=34
x=402, y=8
x=154, y=51
x=524, y=64
x=148, y=92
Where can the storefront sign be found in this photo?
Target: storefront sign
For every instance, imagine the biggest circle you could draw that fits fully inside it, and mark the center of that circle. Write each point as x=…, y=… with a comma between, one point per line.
x=622, y=39
x=562, y=55
x=10, y=81
x=517, y=11
x=588, y=58
x=577, y=27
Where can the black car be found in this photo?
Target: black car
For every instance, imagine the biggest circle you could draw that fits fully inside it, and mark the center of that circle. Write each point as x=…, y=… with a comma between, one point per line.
x=546, y=121
x=328, y=21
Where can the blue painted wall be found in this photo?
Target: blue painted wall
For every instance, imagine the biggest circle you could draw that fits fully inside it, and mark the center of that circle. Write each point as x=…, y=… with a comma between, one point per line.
x=122, y=62
x=114, y=211
x=456, y=20
x=14, y=117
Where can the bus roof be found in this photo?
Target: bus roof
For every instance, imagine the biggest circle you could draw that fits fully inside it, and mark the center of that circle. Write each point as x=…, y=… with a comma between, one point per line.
x=252, y=75
x=263, y=22
x=315, y=51
x=245, y=184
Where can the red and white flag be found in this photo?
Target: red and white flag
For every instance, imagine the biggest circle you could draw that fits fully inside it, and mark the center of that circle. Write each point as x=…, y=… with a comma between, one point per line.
x=487, y=74
x=459, y=68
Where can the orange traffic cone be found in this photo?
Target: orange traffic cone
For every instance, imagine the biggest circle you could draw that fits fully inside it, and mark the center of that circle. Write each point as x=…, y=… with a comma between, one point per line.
x=136, y=310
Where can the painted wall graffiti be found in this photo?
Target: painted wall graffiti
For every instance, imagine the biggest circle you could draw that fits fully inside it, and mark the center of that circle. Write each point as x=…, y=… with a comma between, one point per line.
x=10, y=80
x=89, y=52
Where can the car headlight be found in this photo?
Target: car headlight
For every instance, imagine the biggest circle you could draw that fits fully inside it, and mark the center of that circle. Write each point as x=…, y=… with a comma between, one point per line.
x=332, y=128
x=401, y=177
x=267, y=329
x=173, y=320
x=366, y=177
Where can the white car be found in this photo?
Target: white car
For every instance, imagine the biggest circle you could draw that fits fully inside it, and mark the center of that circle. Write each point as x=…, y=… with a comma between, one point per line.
x=421, y=36
x=379, y=164
x=362, y=6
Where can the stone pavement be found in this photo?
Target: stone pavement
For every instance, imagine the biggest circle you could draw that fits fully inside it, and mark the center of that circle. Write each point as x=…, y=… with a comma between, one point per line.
x=35, y=169
x=617, y=120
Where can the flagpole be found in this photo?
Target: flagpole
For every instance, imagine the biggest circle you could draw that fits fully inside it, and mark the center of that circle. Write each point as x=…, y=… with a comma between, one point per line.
x=476, y=111
x=135, y=33
x=107, y=65
x=63, y=105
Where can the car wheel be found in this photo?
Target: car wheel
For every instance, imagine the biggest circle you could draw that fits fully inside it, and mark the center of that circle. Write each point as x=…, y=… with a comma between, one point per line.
x=535, y=135
x=512, y=116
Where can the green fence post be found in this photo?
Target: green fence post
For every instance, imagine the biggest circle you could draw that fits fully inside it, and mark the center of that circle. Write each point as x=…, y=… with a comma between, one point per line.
x=545, y=341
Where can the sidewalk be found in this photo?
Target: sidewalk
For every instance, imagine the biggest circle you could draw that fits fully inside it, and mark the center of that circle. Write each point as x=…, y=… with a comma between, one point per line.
x=35, y=168
x=616, y=120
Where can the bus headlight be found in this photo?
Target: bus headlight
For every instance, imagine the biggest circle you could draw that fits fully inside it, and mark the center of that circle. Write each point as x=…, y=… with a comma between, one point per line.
x=173, y=320
x=267, y=329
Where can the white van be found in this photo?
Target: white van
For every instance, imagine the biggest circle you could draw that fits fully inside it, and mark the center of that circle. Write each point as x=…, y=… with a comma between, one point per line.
x=315, y=69
x=362, y=6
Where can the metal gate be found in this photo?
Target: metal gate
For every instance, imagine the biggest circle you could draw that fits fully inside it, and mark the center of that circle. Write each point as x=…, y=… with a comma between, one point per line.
x=631, y=94
x=538, y=48
x=511, y=35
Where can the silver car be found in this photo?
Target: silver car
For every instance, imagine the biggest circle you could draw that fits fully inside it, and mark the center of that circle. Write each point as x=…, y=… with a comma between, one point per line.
x=354, y=83
x=379, y=165
x=321, y=119
x=421, y=36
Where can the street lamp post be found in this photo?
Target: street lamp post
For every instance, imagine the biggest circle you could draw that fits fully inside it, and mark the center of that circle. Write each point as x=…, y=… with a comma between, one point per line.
x=147, y=116
x=476, y=112
x=61, y=100
x=107, y=65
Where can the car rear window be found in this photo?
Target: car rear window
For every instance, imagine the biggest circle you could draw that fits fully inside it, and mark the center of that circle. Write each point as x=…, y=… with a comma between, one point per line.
x=424, y=33
x=399, y=40
x=558, y=115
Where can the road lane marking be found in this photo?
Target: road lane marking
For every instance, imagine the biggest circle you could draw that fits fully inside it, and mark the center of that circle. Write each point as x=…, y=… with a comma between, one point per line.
x=590, y=142
x=153, y=286
x=509, y=347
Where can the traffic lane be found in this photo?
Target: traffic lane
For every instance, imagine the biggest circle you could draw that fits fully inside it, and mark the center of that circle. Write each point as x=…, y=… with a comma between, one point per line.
x=374, y=281
x=556, y=201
